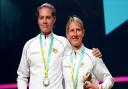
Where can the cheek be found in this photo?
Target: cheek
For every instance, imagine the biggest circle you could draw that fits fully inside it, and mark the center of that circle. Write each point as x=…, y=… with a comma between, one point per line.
x=68, y=37
x=71, y=36
x=51, y=23
x=81, y=34
x=39, y=22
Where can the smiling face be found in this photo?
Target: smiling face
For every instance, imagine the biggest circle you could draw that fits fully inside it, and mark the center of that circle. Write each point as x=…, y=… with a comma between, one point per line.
x=75, y=34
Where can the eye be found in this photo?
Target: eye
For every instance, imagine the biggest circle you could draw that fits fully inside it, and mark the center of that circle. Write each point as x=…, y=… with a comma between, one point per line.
x=72, y=30
x=41, y=17
x=49, y=17
x=78, y=29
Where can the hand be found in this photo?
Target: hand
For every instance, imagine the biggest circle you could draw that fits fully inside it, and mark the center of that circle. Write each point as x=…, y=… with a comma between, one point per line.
x=85, y=84
x=91, y=86
x=96, y=52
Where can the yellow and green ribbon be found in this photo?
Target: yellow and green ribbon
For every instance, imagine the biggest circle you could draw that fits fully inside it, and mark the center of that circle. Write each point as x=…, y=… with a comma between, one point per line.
x=74, y=77
x=43, y=53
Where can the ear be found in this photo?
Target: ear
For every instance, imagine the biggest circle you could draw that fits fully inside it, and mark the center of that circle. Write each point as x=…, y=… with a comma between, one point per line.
x=54, y=19
x=83, y=33
x=67, y=36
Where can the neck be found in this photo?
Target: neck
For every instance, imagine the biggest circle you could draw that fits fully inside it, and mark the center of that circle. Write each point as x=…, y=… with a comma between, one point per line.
x=46, y=33
x=77, y=47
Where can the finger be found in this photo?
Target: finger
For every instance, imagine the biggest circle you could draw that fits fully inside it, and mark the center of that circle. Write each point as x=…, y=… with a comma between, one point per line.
x=88, y=85
x=96, y=52
x=94, y=49
x=84, y=86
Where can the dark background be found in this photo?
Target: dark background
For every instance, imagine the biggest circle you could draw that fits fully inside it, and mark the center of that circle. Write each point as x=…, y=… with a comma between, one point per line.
x=18, y=24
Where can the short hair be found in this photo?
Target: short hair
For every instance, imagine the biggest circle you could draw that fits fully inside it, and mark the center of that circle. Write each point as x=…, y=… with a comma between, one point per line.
x=46, y=5
x=76, y=19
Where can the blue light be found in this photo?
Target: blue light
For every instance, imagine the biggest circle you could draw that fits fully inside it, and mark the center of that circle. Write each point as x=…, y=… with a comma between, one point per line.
x=115, y=14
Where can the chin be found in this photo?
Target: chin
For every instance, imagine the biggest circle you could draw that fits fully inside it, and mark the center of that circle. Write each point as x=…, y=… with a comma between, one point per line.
x=47, y=32
x=76, y=45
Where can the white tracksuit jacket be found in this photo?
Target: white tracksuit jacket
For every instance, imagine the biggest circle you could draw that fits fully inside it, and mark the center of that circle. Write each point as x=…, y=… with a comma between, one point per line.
x=89, y=64
x=31, y=64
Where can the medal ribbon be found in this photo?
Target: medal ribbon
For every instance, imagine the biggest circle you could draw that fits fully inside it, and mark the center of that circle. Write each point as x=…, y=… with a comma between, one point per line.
x=74, y=77
x=43, y=53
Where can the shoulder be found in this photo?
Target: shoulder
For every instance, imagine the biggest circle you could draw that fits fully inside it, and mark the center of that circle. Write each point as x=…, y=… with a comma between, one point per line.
x=60, y=38
x=31, y=41
x=88, y=52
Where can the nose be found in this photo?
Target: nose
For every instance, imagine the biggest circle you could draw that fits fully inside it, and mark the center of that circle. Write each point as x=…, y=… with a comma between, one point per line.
x=75, y=32
x=44, y=20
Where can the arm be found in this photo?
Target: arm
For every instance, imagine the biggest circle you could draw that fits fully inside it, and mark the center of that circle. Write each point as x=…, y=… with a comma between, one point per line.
x=102, y=73
x=67, y=46
x=23, y=70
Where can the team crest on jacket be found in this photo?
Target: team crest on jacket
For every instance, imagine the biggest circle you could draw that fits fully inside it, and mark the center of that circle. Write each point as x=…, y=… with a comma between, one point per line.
x=55, y=50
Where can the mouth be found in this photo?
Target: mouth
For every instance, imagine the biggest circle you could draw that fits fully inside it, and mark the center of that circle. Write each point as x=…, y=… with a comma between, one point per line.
x=75, y=38
x=45, y=26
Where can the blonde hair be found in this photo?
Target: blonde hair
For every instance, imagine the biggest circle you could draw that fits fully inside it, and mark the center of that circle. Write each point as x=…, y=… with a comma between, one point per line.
x=74, y=19
x=46, y=5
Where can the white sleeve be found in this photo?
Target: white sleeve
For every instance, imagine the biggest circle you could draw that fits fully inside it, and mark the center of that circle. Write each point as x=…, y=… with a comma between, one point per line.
x=102, y=73
x=23, y=70
x=68, y=47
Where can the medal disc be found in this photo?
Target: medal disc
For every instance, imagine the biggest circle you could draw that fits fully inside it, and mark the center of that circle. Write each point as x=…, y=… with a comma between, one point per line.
x=45, y=82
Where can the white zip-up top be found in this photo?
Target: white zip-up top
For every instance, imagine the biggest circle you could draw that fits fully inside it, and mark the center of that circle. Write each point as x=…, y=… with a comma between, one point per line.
x=31, y=64
x=90, y=64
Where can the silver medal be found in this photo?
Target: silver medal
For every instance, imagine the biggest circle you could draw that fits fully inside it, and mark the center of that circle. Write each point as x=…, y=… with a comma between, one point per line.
x=46, y=82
